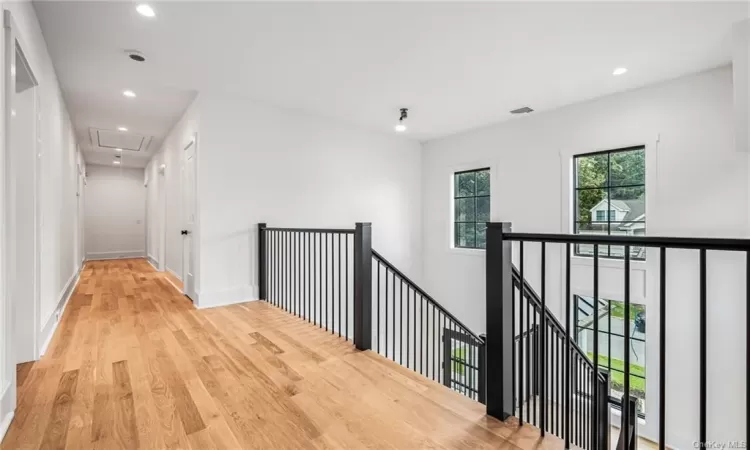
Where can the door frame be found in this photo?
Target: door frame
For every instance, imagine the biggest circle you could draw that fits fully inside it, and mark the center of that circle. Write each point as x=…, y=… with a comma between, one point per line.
x=190, y=291
x=14, y=43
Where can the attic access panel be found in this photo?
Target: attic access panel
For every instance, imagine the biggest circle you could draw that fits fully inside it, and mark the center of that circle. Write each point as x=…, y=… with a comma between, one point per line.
x=108, y=139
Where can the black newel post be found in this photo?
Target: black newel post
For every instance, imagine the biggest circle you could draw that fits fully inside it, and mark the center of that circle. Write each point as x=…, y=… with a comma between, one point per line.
x=363, y=286
x=499, y=344
x=262, y=293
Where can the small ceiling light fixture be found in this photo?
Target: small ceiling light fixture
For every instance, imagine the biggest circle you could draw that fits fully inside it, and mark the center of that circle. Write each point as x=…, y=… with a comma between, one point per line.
x=118, y=150
x=145, y=10
x=128, y=93
x=122, y=129
x=401, y=126
x=619, y=71
x=116, y=162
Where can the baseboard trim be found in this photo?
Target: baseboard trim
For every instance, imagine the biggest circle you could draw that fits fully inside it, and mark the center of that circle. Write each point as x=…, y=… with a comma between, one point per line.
x=155, y=264
x=5, y=424
x=125, y=254
x=239, y=294
x=48, y=331
x=174, y=274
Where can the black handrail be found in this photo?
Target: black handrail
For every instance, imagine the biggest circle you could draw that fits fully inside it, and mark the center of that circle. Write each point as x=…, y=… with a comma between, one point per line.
x=426, y=296
x=536, y=300
x=635, y=241
x=313, y=230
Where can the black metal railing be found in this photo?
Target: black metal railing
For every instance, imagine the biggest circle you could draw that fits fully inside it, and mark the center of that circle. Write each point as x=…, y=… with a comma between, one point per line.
x=540, y=353
x=414, y=330
x=333, y=278
x=510, y=362
x=310, y=273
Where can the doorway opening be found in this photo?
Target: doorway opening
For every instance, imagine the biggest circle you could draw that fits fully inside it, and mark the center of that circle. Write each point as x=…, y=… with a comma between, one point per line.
x=20, y=323
x=23, y=205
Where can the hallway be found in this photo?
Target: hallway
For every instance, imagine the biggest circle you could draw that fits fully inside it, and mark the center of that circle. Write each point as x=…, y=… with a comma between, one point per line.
x=134, y=365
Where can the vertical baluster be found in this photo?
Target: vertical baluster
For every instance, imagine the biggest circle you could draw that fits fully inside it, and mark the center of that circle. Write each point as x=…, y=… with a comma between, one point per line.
x=408, y=324
x=320, y=280
x=522, y=291
x=596, y=331
x=307, y=274
x=703, y=347
x=378, y=307
x=297, y=278
x=529, y=345
x=400, y=321
x=340, y=280
x=346, y=283
x=567, y=346
x=663, y=346
x=513, y=351
x=393, y=318
x=434, y=344
x=385, y=318
x=626, y=349
x=421, y=334
x=543, y=340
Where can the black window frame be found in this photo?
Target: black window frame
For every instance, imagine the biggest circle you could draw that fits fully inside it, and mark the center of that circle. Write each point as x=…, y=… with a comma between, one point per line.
x=608, y=188
x=456, y=197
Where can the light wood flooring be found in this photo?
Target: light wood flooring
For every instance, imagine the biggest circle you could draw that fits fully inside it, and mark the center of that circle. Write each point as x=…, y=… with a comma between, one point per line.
x=134, y=365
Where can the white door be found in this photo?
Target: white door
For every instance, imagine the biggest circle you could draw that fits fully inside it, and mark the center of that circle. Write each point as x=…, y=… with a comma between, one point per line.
x=188, y=208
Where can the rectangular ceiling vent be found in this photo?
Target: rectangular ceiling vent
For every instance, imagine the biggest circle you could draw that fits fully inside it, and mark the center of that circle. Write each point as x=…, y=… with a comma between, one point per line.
x=109, y=139
x=524, y=110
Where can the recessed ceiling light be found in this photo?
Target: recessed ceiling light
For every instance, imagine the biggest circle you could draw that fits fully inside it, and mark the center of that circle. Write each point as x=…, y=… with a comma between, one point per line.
x=145, y=10
x=128, y=93
x=400, y=128
x=116, y=162
x=619, y=71
x=122, y=129
x=118, y=150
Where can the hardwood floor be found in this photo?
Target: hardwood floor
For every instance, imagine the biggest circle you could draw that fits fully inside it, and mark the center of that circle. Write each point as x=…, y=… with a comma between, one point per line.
x=133, y=365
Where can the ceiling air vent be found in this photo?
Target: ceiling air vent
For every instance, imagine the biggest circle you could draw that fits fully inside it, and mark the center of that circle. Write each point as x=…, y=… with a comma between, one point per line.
x=524, y=110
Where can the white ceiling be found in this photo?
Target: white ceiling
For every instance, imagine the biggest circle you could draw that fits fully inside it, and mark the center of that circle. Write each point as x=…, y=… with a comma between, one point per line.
x=456, y=66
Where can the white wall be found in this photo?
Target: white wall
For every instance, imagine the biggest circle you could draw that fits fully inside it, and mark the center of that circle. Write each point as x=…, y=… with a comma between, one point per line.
x=115, y=213
x=263, y=164
x=57, y=150
x=166, y=218
x=697, y=185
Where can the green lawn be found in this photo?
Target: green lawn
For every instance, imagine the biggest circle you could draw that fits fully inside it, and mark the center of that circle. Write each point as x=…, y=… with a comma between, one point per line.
x=617, y=379
x=617, y=309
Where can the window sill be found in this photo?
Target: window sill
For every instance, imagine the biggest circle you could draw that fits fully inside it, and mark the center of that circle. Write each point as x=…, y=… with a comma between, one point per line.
x=607, y=262
x=467, y=251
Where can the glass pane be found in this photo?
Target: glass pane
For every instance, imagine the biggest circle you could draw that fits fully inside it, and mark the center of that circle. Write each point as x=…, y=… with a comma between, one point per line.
x=591, y=171
x=465, y=210
x=629, y=204
x=594, y=228
x=588, y=200
x=481, y=235
x=483, y=182
x=483, y=209
x=465, y=235
x=464, y=184
x=627, y=168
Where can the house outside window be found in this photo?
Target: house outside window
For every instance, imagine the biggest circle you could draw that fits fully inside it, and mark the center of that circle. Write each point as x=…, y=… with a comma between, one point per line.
x=610, y=199
x=611, y=316
x=471, y=207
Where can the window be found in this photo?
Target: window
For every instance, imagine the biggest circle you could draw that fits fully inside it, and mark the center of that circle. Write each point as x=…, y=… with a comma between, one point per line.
x=471, y=206
x=610, y=199
x=611, y=314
